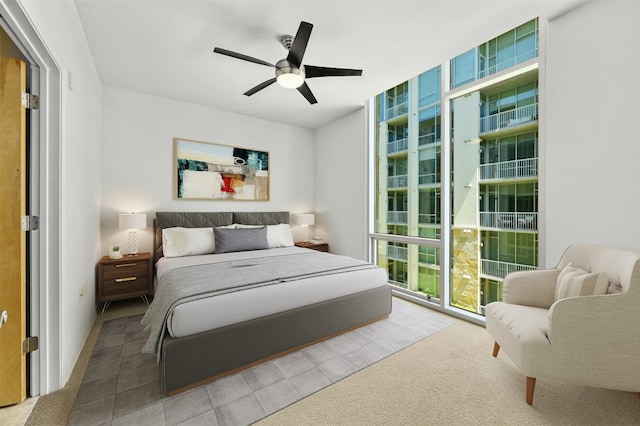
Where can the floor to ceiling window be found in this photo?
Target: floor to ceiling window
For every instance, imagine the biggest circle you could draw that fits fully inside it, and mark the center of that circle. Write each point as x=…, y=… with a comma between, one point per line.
x=457, y=209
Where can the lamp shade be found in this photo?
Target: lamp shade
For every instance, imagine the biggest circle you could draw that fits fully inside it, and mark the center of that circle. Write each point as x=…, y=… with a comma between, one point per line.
x=305, y=219
x=133, y=220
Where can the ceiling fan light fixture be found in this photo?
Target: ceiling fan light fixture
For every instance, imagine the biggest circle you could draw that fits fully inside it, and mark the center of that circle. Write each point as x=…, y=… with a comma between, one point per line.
x=290, y=80
x=288, y=75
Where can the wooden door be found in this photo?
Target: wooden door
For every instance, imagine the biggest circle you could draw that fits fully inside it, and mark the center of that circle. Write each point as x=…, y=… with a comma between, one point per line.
x=13, y=377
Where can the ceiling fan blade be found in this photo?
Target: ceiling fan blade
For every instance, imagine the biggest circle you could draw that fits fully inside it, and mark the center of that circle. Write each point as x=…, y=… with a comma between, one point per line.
x=306, y=92
x=312, y=71
x=241, y=56
x=296, y=52
x=260, y=87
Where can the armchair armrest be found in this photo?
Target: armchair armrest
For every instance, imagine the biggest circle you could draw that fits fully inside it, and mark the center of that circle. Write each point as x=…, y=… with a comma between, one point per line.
x=587, y=318
x=531, y=288
x=596, y=331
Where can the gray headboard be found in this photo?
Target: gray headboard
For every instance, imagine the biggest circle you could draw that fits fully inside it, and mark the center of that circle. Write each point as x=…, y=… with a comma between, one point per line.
x=205, y=219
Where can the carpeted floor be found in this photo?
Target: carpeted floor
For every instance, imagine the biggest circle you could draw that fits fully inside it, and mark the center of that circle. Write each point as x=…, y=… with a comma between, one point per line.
x=121, y=385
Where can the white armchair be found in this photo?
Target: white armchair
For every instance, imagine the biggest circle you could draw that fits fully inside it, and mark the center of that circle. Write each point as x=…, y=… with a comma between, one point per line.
x=572, y=323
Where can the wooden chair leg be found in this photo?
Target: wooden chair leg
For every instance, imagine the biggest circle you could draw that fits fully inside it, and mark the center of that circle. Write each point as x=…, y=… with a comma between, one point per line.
x=496, y=348
x=531, y=385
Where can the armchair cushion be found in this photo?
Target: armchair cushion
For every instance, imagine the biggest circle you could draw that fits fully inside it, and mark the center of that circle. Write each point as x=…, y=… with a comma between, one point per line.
x=574, y=281
x=521, y=331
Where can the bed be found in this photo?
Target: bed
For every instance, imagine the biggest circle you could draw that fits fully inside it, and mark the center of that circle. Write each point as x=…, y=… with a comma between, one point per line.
x=291, y=297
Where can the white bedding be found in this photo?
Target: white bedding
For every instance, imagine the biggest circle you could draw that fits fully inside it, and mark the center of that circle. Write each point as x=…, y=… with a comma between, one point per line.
x=213, y=312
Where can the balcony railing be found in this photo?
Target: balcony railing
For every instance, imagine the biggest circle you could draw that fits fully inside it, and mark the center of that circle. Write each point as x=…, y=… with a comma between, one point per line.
x=428, y=139
x=499, y=269
x=512, y=118
x=397, y=253
x=428, y=178
x=513, y=169
x=397, y=110
x=398, y=145
x=398, y=283
x=509, y=63
x=399, y=181
x=397, y=217
x=509, y=220
x=401, y=107
x=428, y=218
x=429, y=257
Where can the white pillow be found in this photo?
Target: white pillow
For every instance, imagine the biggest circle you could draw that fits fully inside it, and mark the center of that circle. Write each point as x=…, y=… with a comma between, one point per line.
x=277, y=235
x=179, y=241
x=170, y=241
x=573, y=281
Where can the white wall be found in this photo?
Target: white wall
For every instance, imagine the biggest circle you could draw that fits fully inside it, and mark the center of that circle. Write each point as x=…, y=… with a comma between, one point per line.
x=591, y=145
x=59, y=27
x=341, y=185
x=138, y=159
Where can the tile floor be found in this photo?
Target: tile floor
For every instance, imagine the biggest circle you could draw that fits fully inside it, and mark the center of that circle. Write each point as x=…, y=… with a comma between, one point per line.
x=17, y=415
x=121, y=386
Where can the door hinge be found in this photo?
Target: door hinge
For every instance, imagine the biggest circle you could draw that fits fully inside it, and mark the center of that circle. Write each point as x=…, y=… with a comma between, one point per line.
x=30, y=344
x=30, y=101
x=30, y=223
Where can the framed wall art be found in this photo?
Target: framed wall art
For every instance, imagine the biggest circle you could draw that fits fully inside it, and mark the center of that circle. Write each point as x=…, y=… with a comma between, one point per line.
x=211, y=171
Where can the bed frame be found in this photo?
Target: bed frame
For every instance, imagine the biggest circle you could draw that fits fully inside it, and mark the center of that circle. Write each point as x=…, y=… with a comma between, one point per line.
x=193, y=360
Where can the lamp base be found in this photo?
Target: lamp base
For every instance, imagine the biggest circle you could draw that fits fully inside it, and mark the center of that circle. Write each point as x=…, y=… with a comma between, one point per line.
x=305, y=233
x=133, y=242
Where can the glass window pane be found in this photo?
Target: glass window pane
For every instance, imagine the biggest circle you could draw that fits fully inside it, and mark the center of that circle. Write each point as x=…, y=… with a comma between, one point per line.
x=507, y=100
x=526, y=146
x=506, y=48
x=526, y=94
x=429, y=87
x=395, y=258
x=429, y=125
x=491, y=147
x=494, y=197
x=429, y=208
x=463, y=68
x=526, y=28
x=525, y=44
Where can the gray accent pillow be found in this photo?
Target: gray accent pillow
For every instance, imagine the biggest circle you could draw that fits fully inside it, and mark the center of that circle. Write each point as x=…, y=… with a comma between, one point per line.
x=230, y=240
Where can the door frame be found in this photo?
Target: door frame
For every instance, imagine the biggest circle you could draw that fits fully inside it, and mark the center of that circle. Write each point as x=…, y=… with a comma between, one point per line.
x=44, y=135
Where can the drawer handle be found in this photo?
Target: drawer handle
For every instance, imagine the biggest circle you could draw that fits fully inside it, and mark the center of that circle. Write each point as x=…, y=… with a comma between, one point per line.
x=124, y=280
x=122, y=265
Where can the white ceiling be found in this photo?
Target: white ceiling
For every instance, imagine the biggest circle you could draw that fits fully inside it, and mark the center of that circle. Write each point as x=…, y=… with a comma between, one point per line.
x=165, y=47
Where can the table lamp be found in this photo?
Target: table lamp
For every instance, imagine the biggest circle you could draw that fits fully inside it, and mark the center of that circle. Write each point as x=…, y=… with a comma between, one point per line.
x=133, y=222
x=304, y=220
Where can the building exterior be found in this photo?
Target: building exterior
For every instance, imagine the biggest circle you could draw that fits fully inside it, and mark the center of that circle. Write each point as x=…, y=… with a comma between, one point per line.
x=486, y=159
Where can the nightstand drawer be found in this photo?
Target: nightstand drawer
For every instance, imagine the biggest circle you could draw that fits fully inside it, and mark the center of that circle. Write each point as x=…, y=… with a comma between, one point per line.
x=124, y=284
x=125, y=269
x=124, y=278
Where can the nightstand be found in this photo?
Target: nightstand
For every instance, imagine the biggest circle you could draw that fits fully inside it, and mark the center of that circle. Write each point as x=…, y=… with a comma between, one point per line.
x=313, y=246
x=124, y=278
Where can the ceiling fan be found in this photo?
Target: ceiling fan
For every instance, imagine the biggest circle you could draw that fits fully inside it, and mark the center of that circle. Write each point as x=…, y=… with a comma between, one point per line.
x=290, y=73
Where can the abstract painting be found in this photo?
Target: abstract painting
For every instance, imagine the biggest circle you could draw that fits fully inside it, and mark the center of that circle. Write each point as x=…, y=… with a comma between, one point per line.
x=212, y=171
